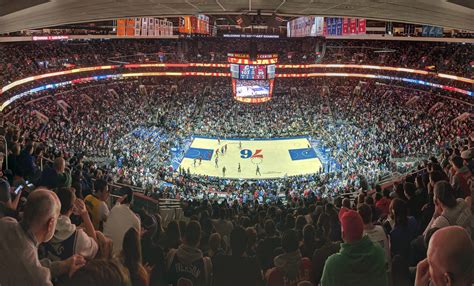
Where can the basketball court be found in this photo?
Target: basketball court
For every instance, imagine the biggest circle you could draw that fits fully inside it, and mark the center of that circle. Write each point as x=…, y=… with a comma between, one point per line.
x=275, y=158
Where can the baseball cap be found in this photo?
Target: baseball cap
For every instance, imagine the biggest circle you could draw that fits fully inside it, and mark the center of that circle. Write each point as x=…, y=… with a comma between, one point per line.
x=351, y=224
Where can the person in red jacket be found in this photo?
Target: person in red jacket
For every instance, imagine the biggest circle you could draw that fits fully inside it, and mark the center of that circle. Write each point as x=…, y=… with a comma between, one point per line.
x=290, y=267
x=384, y=203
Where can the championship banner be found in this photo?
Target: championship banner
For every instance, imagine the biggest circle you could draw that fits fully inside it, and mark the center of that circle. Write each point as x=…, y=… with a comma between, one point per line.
x=339, y=26
x=362, y=26
x=353, y=25
x=345, y=26
x=334, y=26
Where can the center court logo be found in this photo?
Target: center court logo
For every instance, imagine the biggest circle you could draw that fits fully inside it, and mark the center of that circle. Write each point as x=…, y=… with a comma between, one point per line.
x=247, y=153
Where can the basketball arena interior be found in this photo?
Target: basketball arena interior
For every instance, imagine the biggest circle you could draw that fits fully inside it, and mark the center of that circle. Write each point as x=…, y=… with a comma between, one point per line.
x=217, y=142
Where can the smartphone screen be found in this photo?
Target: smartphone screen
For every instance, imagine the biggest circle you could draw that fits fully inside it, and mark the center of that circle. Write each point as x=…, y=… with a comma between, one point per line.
x=17, y=190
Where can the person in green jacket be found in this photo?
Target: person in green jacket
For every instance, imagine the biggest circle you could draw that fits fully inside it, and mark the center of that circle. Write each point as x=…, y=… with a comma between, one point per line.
x=359, y=261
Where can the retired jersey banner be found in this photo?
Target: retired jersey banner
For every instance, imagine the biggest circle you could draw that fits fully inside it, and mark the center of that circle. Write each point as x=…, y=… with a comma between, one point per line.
x=121, y=24
x=149, y=27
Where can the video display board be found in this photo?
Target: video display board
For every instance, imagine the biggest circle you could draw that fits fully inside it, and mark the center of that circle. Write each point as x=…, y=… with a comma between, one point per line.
x=271, y=71
x=252, y=88
x=234, y=70
x=252, y=72
x=252, y=91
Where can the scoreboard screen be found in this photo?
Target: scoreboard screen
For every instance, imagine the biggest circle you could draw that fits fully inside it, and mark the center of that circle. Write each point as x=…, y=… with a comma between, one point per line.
x=252, y=72
x=252, y=91
x=271, y=71
x=252, y=88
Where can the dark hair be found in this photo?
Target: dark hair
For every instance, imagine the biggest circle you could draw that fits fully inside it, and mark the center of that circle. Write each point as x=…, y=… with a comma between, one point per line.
x=409, y=189
x=192, y=234
x=378, y=196
x=300, y=222
x=5, y=195
x=346, y=202
x=378, y=188
x=100, y=185
x=289, y=241
x=29, y=148
x=386, y=192
x=444, y=192
x=132, y=257
x=269, y=227
x=67, y=197
x=437, y=176
x=172, y=235
x=222, y=213
x=98, y=272
x=400, y=212
x=457, y=161
x=129, y=192
x=369, y=200
x=365, y=211
x=290, y=221
x=308, y=234
x=238, y=241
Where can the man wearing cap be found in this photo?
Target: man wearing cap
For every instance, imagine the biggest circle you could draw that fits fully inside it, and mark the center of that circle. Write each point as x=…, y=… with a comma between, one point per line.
x=360, y=261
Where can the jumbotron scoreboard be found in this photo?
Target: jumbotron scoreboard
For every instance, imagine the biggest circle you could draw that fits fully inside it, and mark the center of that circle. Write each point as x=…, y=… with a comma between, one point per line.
x=252, y=80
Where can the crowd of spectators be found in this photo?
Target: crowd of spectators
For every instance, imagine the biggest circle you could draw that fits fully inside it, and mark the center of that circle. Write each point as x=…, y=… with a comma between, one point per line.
x=20, y=60
x=419, y=232
x=106, y=124
x=60, y=226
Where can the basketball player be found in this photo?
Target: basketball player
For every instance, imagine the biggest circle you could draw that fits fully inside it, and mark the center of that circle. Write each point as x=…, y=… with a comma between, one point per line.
x=225, y=148
x=223, y=171
x=238, y=169
x=200, y=161
x=194, y=162
x=218, y=141
x=240, y=145
x=216, y=160
x=257, y=172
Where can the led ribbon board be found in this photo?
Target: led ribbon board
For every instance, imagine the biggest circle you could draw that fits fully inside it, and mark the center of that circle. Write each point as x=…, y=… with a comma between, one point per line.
x=235, y=60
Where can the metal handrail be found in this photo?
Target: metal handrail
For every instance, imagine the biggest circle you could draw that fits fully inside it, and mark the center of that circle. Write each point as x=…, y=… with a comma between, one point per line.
x=52, y=161
x=6, y=151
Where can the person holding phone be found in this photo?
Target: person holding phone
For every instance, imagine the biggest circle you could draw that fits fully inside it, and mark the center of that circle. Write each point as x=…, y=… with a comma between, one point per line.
x=7, y=205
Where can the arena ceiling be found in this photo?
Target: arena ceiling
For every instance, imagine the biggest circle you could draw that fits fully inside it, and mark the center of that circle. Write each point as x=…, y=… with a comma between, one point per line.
x=16, y=15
